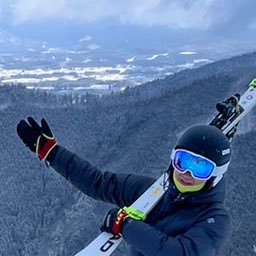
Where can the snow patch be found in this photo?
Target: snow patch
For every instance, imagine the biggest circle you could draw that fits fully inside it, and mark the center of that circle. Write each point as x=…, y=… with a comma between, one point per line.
x=21, y=81
x=121, y=68
x=110, y=77
x=188, y=53
x=85, y=39
x=99, y=87
x=78, y=88
x=93, y=47
x=131, y=59
x=50, y=79
x=158, y=55
x=29, y=87
x=198, y=61
x=186, y=65
x=69, y=78
x=86, y=60
x=52, y=50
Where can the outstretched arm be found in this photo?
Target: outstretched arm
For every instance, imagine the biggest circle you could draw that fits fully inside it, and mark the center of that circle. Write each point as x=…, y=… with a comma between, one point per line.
x=119, y=189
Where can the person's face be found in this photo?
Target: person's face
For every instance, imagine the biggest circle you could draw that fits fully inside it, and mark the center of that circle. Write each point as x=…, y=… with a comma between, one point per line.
x=186, y=179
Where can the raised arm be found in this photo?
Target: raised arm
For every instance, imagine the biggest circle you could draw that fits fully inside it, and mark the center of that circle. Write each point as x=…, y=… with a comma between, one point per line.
x=119, y=189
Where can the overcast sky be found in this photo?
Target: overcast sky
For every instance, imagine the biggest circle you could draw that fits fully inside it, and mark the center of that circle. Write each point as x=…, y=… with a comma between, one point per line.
x=176, y=14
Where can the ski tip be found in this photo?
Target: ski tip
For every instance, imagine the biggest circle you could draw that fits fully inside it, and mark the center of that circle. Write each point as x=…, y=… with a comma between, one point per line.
x=253, y=83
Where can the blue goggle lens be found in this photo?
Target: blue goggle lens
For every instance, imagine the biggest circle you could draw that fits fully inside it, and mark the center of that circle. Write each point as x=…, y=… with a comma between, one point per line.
x=200, y=167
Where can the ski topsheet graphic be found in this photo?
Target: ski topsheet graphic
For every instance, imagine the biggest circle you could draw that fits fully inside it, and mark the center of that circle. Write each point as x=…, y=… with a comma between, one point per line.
x=230, y=113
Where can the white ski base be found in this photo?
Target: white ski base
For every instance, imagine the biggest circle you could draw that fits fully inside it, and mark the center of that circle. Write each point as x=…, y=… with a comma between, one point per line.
x=103, y=245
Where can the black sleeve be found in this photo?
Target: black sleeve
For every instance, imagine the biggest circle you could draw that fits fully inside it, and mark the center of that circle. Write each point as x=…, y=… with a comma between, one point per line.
x=119, y=189
x=205, y=238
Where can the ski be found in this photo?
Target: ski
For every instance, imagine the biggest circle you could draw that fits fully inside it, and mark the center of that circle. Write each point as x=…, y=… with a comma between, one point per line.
x=106, y=243
x=232, y=110
x=230, y=113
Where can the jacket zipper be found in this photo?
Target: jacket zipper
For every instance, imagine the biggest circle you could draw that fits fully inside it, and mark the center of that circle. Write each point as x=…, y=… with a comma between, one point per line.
x=177, y=198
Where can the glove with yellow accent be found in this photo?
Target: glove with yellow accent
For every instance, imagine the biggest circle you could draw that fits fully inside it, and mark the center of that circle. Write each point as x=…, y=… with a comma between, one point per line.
x=115, y=219
x=38, y=139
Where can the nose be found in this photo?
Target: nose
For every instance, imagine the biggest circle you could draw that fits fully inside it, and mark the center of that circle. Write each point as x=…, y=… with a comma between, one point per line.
x=188, y=174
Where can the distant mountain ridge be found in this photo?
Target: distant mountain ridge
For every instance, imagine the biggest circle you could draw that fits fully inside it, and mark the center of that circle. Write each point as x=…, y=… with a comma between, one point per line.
x=243, y=64
x=133, y=131
x=6, y=37
x=11, y=43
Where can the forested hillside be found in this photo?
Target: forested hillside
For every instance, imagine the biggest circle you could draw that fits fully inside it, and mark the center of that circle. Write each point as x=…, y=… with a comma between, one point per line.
x=133, y=132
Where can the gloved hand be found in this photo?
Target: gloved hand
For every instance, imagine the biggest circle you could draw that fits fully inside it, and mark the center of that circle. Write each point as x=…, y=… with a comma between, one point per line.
x=115, y=219
x=38, y=139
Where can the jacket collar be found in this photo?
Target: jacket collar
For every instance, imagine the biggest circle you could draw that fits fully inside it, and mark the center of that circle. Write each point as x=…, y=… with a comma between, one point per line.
x=211, y=195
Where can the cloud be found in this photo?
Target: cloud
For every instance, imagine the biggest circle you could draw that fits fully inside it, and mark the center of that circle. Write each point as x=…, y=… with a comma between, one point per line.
x=4, y=7
x=176, y=14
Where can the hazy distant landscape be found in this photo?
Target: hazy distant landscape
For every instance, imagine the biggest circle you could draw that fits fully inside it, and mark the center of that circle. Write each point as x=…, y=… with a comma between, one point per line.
x=92, y=65
x=88, y=67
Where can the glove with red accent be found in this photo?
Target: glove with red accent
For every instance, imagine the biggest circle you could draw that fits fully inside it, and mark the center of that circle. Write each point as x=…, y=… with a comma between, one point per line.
x=38, y=139
x=115, y=219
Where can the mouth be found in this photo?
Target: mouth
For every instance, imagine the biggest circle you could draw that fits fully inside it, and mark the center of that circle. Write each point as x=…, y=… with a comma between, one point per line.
x=185, y=181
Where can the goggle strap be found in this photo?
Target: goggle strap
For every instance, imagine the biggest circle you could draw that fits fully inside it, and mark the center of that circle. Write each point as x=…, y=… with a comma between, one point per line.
x=220, y=170
x=173, y=154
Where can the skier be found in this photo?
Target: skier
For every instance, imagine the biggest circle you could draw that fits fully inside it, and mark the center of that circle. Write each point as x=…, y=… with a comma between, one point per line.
x=190, y=219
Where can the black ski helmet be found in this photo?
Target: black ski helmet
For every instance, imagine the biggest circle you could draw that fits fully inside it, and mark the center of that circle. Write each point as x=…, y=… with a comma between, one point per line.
x=210, y=142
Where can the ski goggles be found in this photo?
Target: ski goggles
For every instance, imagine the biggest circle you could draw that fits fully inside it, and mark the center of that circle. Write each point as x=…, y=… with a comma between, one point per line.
x=200, y=167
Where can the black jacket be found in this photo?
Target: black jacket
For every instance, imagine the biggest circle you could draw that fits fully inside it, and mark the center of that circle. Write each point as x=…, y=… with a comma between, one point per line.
x=180, y=225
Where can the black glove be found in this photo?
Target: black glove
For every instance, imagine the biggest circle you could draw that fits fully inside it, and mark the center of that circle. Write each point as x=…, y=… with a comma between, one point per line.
x=115, y=219
x=38, y=139
x=112, y=222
